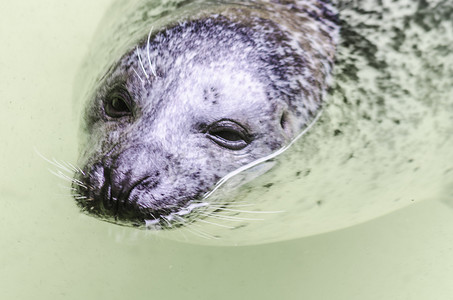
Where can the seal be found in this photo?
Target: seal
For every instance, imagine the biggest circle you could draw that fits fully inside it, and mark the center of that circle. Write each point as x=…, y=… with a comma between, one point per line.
x=195, y=101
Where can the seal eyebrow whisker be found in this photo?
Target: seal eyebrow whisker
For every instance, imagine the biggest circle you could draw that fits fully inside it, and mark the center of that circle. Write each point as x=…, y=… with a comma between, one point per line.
x=147, y=50
x=136, y=73
x=141, y=64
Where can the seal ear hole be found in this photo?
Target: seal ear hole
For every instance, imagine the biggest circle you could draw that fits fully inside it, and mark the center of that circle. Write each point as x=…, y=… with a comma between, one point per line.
x=284, y=121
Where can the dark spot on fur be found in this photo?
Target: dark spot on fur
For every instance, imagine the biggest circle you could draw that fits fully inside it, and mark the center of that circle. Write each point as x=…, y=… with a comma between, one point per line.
x=268, y=185
x=195, y=175
x=337, y=132
x=211, y=95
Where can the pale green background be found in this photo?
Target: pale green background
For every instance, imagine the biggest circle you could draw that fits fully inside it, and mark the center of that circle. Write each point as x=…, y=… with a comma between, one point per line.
x=49, y=251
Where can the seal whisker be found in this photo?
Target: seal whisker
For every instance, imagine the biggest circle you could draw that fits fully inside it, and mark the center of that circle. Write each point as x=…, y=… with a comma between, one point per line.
x=225, y=202
x=229, y=218
x=147, y=50
x=200, y=233
x=221, y=205
x=253, y=212
x=62, y=166
x=68, y=166
x=80, y=197
x=139, y=77
x=60, y=194
x=170, y=220
x=53, y=162
x=75, y=168
x=65, y=177
x=141, y=64
x=194, y=232
x=212, y=223
x=263, y=159
x=182, y=222
x=60, y=175
x=164, y=218
x=70, y=188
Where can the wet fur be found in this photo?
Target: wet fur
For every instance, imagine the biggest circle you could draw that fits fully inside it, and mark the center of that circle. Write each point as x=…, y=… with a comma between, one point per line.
x=266, y=65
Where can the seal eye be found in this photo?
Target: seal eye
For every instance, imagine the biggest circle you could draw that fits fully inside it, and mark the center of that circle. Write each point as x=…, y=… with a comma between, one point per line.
x=229, y=134
x=118, y=103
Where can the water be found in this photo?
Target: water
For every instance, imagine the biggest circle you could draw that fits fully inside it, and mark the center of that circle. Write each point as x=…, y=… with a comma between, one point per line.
x=49, y=250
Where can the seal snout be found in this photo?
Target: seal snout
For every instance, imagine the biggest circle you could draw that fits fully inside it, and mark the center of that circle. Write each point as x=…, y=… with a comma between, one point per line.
x=119, y=196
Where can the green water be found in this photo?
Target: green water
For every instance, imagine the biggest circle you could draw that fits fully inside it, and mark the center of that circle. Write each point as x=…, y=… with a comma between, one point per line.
x=48, y=250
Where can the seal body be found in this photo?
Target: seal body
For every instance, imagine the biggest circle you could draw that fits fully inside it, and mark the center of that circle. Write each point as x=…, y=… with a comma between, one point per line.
x=194, y=103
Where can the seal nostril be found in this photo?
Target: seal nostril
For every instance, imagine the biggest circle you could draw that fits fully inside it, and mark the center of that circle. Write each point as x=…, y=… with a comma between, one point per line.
x=108, y=201
x=110, y=194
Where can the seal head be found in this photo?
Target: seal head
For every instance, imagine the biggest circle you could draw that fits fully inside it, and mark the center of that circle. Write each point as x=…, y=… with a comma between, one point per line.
x=193, y=101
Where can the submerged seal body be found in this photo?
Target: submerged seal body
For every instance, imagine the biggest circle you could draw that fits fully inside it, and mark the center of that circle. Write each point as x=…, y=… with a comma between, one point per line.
x=195, y=99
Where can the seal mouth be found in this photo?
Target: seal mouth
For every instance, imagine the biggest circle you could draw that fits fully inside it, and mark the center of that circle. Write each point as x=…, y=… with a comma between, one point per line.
x=125, y=208
x=175, y=219
x=157, y=220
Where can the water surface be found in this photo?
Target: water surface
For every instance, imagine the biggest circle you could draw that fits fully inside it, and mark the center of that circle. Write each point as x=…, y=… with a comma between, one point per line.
x=48, y=250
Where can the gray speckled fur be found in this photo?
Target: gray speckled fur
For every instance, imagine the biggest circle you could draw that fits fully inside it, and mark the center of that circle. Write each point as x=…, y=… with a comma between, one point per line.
x=383, y=141
x=250, y=62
